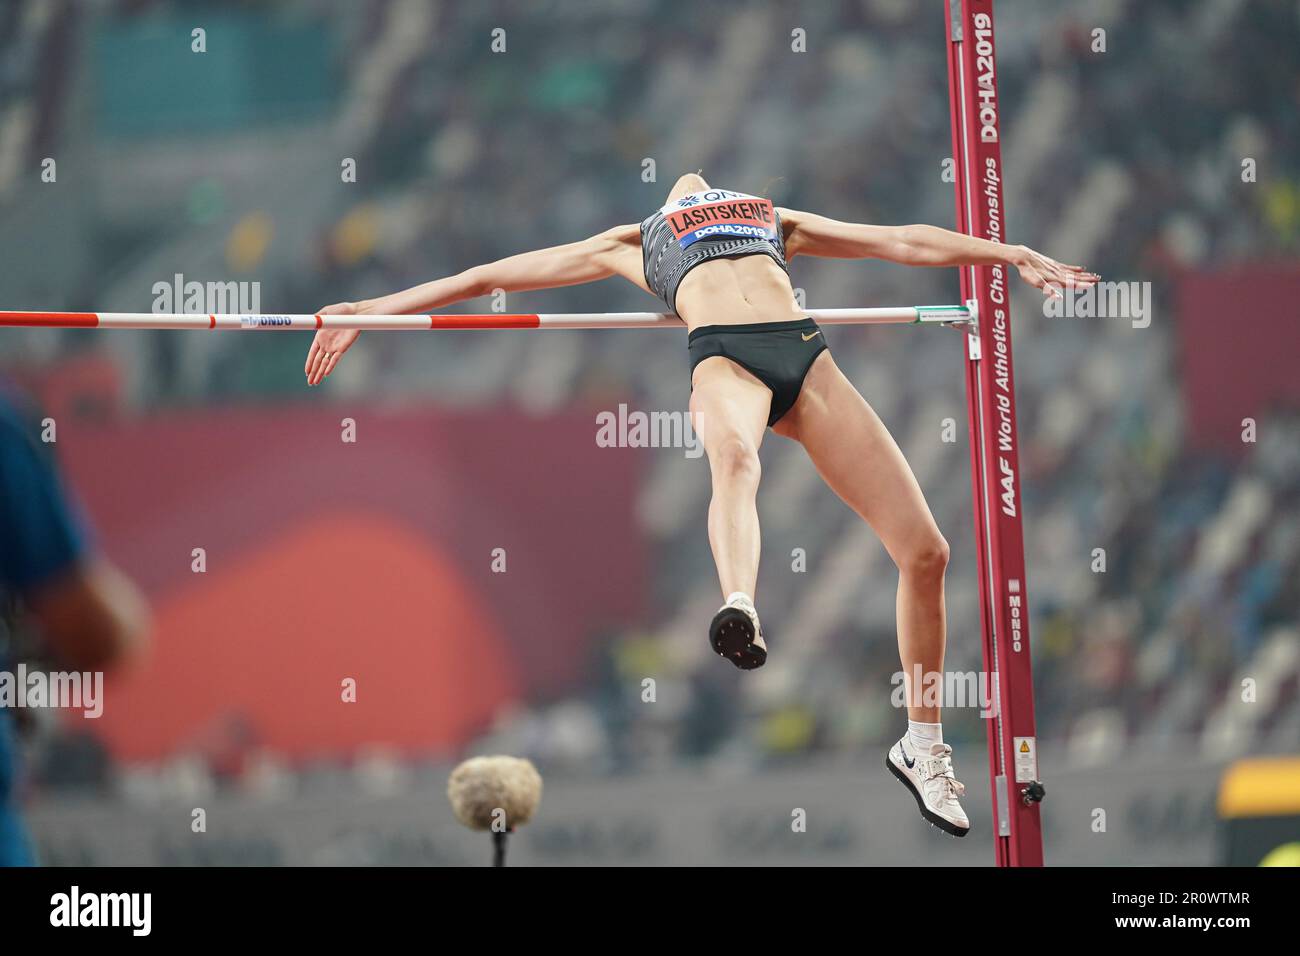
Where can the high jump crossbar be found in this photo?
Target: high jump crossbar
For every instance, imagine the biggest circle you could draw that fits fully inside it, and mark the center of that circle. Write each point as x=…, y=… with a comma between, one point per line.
x=953, y=315
x=990, y=396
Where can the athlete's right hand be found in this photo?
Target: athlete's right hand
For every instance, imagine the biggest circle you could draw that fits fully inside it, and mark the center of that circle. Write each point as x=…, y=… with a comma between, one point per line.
x=330, y=344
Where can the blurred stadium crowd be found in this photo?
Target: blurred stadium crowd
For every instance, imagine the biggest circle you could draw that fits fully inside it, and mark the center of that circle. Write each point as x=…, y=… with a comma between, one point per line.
x=1118, y=160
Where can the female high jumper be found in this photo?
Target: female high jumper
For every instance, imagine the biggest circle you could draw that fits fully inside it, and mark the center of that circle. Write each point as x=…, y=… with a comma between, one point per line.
x=718, y=259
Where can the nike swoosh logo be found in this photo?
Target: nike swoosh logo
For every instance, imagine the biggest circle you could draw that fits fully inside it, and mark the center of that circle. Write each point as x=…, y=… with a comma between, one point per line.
x=903, y=753
x=810, y=335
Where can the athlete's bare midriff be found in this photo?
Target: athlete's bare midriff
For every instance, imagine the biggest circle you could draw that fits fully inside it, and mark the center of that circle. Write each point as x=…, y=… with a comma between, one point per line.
x=736, y=292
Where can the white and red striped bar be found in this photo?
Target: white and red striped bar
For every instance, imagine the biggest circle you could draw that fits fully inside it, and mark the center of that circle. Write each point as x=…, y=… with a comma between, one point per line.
x=906, y=314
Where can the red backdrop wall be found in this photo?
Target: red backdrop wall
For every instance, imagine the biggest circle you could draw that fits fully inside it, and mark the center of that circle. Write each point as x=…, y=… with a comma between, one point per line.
x=1239, y=349
x=370, y=561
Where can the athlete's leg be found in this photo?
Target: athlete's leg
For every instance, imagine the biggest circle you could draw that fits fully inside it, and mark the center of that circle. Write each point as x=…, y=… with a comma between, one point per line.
x=859, y=460
x=729, y=409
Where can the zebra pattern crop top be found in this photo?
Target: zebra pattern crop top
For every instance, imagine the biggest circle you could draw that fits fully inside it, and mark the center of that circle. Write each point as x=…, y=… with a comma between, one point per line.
x=710, y=224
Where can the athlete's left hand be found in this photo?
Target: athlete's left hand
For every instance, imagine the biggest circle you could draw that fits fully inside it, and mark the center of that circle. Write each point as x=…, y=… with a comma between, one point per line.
x=1047, y=274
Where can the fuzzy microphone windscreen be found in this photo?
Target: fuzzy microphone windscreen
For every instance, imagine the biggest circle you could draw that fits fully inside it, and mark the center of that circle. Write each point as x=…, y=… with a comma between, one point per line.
x=483, y=785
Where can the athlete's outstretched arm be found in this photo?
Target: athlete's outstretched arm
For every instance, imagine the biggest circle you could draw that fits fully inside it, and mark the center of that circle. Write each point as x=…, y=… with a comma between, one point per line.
x=613, y=252
x=589, y=260
x=812, y=235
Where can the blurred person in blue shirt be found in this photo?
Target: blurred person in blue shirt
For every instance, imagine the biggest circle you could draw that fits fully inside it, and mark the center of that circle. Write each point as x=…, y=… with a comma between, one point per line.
x=87, y=614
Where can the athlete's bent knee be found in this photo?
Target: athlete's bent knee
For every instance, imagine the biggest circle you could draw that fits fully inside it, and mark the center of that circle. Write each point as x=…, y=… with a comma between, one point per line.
x=927, y=560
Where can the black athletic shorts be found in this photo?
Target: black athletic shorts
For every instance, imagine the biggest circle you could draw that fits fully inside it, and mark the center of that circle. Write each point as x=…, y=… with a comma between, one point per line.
x=778, y=354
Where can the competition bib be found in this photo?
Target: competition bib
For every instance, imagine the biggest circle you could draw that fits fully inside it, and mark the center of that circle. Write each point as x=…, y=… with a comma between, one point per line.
x=719, y=214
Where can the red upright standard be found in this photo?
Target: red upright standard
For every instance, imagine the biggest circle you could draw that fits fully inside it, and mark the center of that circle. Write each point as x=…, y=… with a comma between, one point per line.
x=995, y=465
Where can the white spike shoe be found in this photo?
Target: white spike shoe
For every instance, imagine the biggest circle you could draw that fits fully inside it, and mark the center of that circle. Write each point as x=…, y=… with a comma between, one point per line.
x=736, y=634
x=932, y=783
